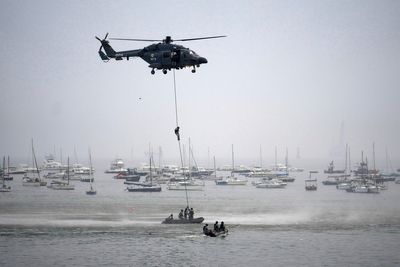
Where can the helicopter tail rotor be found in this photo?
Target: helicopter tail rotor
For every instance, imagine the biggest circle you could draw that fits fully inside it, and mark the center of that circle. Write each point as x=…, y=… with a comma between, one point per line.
x=109, y=52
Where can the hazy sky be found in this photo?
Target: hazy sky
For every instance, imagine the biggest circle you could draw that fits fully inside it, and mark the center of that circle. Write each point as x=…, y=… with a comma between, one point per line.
x=288, y=74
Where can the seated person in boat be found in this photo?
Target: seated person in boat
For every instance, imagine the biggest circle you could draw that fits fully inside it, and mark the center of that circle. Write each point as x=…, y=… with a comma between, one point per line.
x=222, y=227
x=205, y=229
x=216, y=228
x=208, y=232
x=191, y=214
x=171, y=217
x=186, y=212
x=181, y=215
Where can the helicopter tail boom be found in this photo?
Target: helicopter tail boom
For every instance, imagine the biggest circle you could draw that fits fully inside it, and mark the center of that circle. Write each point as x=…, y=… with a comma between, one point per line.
x=110, y=52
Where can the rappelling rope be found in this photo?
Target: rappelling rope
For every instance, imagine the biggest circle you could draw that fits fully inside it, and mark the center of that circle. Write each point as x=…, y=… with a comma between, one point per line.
x=178, y=136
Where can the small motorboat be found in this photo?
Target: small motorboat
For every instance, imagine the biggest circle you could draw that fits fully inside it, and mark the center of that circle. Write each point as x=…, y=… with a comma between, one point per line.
x=182, y=221
x=216, y=234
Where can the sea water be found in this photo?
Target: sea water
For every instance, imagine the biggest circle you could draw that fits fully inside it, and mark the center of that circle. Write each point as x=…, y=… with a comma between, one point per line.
x=267, y=227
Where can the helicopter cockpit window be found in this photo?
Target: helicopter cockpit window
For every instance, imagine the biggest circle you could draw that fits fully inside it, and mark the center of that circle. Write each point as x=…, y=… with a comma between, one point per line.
x=192, y=52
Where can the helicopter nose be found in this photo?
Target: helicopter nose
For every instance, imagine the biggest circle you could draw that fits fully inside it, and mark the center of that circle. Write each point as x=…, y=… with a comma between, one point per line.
x=202, y=60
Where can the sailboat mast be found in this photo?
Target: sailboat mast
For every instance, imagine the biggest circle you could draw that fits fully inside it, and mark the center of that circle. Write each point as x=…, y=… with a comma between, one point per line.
x=68, y=170
x=233, y=162
x=349, y=161
x=286, y=162
x=34, y=157
x=189, y=160
x=260, y=157
x=151, y=172
x=373, y=155
x=8, y=165
x=345, y=164
x=215, y=169
x=90, y=168
x=4, y=169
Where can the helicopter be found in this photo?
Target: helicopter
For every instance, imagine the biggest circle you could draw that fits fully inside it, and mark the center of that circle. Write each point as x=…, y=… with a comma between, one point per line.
x=161, y=56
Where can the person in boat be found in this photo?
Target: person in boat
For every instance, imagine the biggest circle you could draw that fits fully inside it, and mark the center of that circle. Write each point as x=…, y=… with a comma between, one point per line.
x=222, y=227
x=216, y=228
x=205, y=229
x=191, y=214
x=181, y=215
x=171, y=217
x=186, y=212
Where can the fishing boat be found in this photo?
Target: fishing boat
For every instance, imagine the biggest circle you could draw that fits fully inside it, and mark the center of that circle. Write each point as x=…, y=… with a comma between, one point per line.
x=91, y=191
x=310, y=184
x=331, y=169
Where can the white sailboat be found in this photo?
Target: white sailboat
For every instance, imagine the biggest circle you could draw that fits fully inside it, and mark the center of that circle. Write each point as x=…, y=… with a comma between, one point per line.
x=187, y=184
x=62, y=185
x=4, y=187
x=36, y=181
x=91, y=191
x=231, y=180
x=147, y=186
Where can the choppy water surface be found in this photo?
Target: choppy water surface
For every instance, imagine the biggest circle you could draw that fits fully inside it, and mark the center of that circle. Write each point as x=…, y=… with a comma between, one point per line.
x=268, y=227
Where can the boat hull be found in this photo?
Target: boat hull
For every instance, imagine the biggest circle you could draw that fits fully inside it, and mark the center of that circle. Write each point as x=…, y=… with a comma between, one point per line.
x=145, y=189
x=183, y=221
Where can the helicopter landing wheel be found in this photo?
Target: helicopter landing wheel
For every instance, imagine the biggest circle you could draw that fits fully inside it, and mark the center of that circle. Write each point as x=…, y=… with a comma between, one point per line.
x=164, y=71
x=193, y=70
x=152, y=71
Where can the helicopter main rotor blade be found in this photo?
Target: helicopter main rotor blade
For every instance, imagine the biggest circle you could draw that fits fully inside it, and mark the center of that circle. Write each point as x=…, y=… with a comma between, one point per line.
x=200, y=38
x=98, y=38
x=139, y=40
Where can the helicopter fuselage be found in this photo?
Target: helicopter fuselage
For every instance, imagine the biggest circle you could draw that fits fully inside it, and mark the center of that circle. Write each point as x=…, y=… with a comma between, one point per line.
x=161, y=56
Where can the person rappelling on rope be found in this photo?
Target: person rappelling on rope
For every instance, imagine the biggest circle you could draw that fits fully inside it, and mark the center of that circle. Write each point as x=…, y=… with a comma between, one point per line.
x=177, y=133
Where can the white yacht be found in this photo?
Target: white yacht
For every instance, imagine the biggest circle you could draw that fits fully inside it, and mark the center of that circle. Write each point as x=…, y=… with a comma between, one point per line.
x=117, y=166
x=274, y=183
x=231, y=180
x=49, y=164
x=189, y=185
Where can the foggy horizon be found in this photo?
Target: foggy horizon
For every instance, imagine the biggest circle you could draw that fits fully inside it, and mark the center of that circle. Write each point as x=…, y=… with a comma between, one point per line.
x=308, y=75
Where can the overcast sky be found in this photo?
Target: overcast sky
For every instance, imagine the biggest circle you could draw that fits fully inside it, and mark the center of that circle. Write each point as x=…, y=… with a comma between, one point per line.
x=289, y=74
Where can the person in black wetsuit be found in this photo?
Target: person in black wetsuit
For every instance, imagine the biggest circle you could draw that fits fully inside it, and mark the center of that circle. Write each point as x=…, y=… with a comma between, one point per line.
x=181, y=215
x=177, y=133
x=205, y=229
x=216, y=228
x=222, y=227
x=191, y=214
